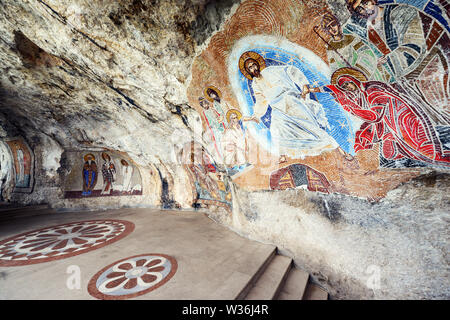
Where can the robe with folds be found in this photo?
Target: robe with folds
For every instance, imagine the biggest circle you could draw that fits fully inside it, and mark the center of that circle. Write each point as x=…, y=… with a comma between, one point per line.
x=127, y=173
x=298, y=126
x=393, y=119
x=234, y=145
x=89, y=177
x=216, y=128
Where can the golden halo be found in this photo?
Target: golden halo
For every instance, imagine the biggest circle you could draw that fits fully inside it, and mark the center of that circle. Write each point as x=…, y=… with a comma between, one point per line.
x=231, y=111
x=358, y=75
x=253, y=55
x=205, y=92
x=89, y=155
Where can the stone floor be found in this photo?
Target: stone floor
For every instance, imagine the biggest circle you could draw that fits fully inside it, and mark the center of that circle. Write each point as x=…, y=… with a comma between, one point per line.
x=182, y=255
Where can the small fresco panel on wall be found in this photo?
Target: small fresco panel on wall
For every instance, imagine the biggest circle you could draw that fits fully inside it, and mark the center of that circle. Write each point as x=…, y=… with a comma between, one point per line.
x=22, y=164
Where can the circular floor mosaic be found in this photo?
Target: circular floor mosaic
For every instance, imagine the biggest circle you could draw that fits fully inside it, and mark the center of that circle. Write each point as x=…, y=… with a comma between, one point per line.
x=61, y=241
x=133, y=276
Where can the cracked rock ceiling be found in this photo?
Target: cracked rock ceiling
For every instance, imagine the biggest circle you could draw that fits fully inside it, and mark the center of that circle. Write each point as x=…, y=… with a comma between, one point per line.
x=100, y=74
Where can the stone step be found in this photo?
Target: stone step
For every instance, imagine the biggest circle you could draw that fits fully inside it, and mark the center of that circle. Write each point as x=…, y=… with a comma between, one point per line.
x=27, y=211
x=314, y=292
x=269, y=284
x=295, y=285
x=240, y=281
x=6, y=209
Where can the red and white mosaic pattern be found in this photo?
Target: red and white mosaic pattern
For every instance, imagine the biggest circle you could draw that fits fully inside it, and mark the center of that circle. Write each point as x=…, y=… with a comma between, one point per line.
x=133, y=276
x=61, y=241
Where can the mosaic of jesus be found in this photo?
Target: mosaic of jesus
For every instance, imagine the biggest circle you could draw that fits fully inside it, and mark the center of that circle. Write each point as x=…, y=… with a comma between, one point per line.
x=276, y=74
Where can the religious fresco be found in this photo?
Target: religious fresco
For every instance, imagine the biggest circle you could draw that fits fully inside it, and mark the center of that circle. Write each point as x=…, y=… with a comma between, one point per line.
x=23, y=164
x=209, y=183
x=351, y=92
x=391, y=118
x=299, y=176
x=99, y=174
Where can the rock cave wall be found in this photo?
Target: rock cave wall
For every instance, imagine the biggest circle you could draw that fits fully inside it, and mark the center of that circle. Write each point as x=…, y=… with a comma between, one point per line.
x=336, y=149
x=91, y=77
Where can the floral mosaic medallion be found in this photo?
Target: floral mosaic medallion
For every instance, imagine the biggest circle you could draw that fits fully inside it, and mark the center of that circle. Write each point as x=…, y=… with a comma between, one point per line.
x=61, y=241
x=133, y=276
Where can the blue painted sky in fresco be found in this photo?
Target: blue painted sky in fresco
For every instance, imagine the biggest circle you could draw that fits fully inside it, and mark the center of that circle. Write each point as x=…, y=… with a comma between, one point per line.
x=340, y=124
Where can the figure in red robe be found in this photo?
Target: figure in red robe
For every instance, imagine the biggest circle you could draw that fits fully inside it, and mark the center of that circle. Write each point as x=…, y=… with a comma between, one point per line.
x=390, y=117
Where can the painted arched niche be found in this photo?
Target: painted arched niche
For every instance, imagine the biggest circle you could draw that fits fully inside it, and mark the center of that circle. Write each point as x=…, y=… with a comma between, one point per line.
x=101, y=174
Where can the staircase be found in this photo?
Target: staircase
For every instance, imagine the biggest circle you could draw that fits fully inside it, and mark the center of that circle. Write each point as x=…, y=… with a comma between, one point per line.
x=279, y=279
x=269, y=276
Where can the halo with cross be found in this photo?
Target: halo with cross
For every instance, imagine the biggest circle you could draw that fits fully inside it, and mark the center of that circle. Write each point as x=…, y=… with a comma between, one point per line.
x=251, y=55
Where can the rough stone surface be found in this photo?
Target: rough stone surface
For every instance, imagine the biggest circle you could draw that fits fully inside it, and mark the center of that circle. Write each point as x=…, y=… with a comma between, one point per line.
x=77, y=75
x=125, y=77
x=338, y=239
